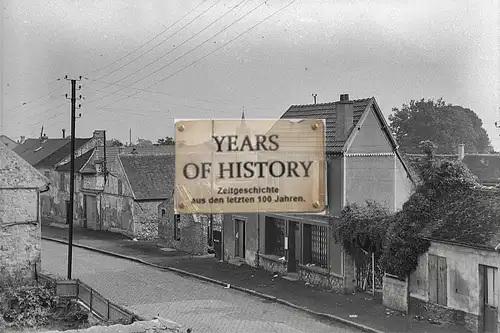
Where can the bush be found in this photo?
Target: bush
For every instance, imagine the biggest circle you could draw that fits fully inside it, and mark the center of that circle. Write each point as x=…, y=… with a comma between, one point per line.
x=29, y=305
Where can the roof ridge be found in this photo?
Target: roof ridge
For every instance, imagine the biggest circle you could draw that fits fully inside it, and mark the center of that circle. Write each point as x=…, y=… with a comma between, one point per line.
x=331, y=103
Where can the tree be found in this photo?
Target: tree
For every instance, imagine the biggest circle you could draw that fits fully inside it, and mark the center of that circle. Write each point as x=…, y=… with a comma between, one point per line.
x=167, y=141
x=444, y=124
x=114, y=143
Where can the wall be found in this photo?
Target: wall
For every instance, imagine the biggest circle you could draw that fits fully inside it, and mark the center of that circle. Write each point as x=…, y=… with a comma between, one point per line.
x=395, y=294
x=462, y=275
x=193, y=229
x=95, y=142
x=404, y=185
x=20, y=243
x=335, y=184
x=146, y=219
x=53, y=202
x=252, y=225
x=370, y=137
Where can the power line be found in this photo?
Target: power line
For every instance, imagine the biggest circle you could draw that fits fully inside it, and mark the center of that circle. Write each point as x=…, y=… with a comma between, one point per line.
x=149, y=41
x=168, y=64
x=200, y=59
x=172, y=35
x=187, y=40
x=37, y=98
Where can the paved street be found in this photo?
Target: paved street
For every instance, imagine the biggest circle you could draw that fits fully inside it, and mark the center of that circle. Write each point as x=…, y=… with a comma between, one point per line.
x=192, y=303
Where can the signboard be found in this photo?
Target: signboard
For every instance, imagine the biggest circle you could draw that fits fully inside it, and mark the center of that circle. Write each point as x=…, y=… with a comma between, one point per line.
x=244, y=166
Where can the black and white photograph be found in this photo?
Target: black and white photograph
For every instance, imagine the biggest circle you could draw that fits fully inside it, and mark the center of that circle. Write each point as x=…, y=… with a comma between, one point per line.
x=241, y=166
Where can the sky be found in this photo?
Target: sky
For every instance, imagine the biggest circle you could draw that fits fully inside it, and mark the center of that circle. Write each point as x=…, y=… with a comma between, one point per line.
x=146, y=63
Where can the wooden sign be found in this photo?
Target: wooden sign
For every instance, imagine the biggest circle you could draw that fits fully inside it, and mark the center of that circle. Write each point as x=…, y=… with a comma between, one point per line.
x=244, y=166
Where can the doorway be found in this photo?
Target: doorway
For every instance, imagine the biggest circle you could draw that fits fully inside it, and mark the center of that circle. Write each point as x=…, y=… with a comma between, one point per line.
x=90, y=204
x=293, y=246
x=489, y=305
x=239, y=238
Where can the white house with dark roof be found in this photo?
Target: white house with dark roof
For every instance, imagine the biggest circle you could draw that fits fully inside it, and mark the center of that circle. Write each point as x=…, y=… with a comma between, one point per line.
x=363, y=162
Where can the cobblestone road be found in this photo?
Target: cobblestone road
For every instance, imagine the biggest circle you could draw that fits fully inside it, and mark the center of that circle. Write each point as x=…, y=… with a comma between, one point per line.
x=192, y=303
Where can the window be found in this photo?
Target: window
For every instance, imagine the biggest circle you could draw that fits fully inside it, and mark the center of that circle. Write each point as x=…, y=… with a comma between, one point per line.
x=163, y=212
x=177, y=228
x=438, y=292
x=62, y=182
x=275, y=236
x=491, y=286
x=81, y=181
x=315, y=245
x=120, y=187
x=47, y=174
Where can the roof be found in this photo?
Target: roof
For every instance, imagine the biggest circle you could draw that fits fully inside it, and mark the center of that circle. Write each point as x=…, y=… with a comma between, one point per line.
x=327, y=111
x=151, y=177
x=80, y=161
x=48, y=152
x=486, y=167
x=8, y=142
x=15, y=172
x=112, y=152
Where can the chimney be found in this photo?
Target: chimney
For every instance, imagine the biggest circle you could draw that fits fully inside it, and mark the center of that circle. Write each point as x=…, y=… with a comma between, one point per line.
x=64, y=133
x=344, y=110
x=461, y=152
x=22, y=139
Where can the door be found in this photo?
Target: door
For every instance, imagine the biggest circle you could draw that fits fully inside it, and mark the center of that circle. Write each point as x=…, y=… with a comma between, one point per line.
x=217, y=244
x=489, y=291
x=239, y=237
x=91, y=211
x=293, y=246
x=84, y=211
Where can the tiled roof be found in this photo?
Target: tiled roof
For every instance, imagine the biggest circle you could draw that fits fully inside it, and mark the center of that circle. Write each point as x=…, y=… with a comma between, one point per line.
x=8, y=142
x=151, y=176
x=15, y=172
x=112, y=152
x=79, y=162
x=48, y=152
x=327, y=111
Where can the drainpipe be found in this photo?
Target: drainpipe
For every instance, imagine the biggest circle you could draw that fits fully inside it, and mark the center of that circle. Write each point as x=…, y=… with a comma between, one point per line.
x=258, y=240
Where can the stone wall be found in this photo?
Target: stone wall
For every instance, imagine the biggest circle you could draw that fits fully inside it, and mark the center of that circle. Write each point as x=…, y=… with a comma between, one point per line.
x=146, y=220
x=117, y=213
x=395, y=293
x=444, y=314
x=20, y=233
x=193, y=229
x=273, y=265
x=321, y=278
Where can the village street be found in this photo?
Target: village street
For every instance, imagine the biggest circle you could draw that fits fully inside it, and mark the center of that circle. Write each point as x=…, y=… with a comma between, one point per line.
x=204, y=307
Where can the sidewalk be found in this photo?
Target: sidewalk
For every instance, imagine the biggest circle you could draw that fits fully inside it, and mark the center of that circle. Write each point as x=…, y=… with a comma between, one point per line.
x=369, y=311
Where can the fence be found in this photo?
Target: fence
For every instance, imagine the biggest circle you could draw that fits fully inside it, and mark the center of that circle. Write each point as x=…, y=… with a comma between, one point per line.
x=97, y=304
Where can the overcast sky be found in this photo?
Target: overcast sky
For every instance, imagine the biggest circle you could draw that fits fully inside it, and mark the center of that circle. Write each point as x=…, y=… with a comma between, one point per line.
x=393, y=50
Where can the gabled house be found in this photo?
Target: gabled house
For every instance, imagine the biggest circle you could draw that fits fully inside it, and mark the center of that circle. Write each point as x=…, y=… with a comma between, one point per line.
x=46, y=154
x=362, y=162
x=20, y=239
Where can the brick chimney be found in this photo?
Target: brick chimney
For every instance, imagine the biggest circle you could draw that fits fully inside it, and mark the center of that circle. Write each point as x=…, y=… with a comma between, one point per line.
x=344, y=110
x=99, y=137
x=22, y=139
x=461, y=152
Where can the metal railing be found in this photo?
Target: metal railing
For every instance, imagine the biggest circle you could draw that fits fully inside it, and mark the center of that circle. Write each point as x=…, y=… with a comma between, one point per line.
x=89, y=297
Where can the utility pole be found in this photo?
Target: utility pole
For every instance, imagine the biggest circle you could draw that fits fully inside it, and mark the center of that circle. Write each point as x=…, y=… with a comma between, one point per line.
x=70, y=213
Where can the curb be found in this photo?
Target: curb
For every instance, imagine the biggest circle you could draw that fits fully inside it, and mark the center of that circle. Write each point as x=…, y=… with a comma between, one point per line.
x=217, y=282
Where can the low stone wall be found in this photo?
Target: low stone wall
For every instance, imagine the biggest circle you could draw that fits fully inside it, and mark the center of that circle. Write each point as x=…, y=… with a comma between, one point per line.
x=444, y=314
x=320, y=278
x=156, y=325
x=395, y=293
x=273, y=265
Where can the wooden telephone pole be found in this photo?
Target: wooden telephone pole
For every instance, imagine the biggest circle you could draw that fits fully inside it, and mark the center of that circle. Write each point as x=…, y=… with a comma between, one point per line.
x=70, y=213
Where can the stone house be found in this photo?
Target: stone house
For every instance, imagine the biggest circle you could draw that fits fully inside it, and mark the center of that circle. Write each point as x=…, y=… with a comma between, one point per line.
x=363, y=162
x=46, y=155
x=20, y=233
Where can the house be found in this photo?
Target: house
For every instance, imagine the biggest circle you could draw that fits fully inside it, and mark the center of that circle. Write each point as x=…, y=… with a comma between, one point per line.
x=46, y=154
x=20, y=231
x=486, y=167
x=362, y=162
x=457, y=280
x=8, y=142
